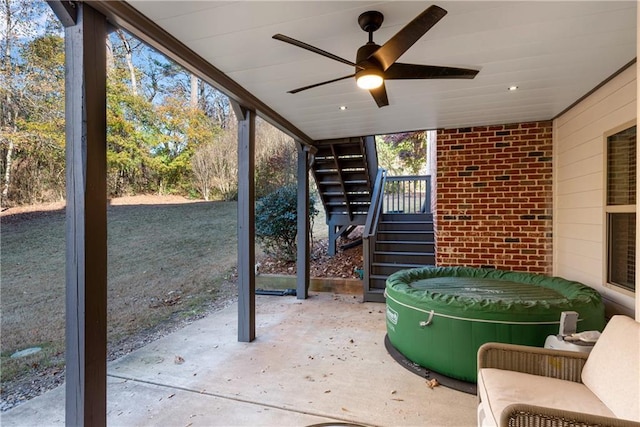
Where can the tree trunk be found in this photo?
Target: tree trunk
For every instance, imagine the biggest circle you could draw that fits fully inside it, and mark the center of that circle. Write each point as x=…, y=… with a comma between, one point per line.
x=4, y=196
x=6, y=116
x=193, y=100
x=109, y=55
x=7, y=174
x=128, y=57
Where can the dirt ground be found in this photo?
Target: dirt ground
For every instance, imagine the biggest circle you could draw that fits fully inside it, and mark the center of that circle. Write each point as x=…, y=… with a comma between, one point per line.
x=138, y=253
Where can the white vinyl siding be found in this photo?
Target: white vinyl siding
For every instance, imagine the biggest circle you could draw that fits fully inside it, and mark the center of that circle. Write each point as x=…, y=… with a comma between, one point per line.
x=579, y=185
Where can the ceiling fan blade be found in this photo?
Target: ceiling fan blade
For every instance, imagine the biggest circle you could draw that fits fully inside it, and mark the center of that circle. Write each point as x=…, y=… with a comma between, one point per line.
x=399, y=71
x=313, y=49
x=380, y=96
x=407, y=36
x=320, y=84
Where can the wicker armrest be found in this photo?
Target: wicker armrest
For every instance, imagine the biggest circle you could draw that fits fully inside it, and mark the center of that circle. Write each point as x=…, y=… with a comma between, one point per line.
x=521, y=414
x=564, y=365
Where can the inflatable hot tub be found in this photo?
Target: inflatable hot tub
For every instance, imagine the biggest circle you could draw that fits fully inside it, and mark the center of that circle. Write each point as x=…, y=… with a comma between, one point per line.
x=438, y=317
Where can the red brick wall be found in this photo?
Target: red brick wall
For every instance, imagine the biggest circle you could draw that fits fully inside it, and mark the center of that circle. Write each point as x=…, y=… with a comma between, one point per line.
x=494, y=197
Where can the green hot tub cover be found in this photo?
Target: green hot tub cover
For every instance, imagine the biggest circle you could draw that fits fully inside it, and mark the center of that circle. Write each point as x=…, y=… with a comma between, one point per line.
x=438, y=317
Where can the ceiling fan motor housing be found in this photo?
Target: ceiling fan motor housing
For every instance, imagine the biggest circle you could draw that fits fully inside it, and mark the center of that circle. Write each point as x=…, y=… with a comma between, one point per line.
x=364, y=52
x=366, y=66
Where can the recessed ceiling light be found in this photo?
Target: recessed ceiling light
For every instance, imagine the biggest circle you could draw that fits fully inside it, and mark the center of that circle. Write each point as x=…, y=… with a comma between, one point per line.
x=343, y=107
x=512, y=88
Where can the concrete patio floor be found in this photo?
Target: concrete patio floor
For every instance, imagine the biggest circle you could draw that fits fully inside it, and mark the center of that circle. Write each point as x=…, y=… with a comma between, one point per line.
x=314, y=361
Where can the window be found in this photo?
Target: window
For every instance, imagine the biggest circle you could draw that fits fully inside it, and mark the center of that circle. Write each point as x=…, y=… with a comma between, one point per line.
x=621, y=209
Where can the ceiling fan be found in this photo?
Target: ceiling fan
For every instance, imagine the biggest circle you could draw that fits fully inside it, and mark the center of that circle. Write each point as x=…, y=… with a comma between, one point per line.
x=375, y=64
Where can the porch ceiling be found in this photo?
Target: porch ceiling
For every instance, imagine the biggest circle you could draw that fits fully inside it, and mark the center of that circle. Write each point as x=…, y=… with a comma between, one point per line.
x=555, y=52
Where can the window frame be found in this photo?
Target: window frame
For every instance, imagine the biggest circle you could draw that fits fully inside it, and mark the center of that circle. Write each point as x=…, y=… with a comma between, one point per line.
x=612, y=209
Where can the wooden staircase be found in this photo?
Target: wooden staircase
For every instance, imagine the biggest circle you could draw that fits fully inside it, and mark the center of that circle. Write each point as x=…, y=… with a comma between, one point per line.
x=402, y=241
x=344, y=171
x=398, y=232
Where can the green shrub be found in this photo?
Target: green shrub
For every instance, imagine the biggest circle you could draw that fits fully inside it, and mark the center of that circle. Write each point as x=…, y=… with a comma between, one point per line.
x=277, y=221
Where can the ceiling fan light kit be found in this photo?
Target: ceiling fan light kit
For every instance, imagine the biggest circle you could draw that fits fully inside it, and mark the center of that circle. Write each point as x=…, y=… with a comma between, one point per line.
x=375, y=64
x=369, y=78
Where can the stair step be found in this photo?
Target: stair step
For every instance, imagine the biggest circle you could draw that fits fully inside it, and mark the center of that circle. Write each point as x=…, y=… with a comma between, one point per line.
x=335, y=186
x=354, y=200
x=423, y=258
x=349, y=193
x=351, y=163
x=378, y=284
x=405, y=235
x=328, y=158
x=324, y=180
x=341, y=149
x=418, y=216
x=354, y=175
x=405, y=246
x=402, y=265
x=327, y=171
x=412, y=221
x=374, y=295
x=404, y=253
x=348, y=149
x=406, y=226
x=387, y=269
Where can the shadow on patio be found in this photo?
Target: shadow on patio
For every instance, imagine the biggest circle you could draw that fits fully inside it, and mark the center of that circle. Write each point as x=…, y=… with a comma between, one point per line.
x=314, y=361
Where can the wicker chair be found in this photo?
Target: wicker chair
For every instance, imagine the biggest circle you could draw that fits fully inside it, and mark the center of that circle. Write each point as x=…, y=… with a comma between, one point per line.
x=531, y=386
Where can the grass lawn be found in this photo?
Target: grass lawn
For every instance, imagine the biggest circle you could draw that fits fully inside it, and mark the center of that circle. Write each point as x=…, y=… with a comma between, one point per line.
x=165, y=261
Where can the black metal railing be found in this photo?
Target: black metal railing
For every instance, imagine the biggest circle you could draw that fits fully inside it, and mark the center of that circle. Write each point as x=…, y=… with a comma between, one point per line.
x=407, y=194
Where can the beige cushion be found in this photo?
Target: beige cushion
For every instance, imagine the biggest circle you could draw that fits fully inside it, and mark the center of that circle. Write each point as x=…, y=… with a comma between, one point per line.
x=499, y=388
x=612, y=371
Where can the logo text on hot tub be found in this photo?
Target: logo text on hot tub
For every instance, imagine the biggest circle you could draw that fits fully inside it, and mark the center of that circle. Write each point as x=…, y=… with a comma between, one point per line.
x=392, y=315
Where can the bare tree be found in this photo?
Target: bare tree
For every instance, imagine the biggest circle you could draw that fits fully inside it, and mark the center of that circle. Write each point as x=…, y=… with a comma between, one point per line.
x=128, y=54
x=276, y=159
x=9, y=109
x=203, y=170
x=215, y=166
x=20, y=25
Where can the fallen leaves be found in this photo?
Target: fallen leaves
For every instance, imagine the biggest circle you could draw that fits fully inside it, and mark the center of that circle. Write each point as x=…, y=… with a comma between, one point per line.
x=322, y=265
x=173, y=298
x=432, y=383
